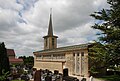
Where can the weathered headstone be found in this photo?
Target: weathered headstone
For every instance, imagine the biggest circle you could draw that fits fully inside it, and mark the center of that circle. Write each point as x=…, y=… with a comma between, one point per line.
x=65, y=72
x=56, y=72
x=33, y=73
x=37, y=76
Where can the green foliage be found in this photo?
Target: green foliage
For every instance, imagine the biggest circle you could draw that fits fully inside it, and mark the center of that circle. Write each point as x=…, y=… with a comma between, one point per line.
x=4, y=76
x=99, y=58
x=111, y=78
x=106, y=52
x=18, y=80
x=20, y=71
x=28, y=60
x=4, y=61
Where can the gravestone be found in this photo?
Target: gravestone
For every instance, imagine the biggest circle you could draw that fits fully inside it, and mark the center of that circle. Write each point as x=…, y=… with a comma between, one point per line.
x=91, y=78
x=37, y=76
x=83, y=79
x=65, y=72
x=56, y=72
x=25, y=77
x=70, y=78
x=33, y=73
x=48, y=77
x=46, y=71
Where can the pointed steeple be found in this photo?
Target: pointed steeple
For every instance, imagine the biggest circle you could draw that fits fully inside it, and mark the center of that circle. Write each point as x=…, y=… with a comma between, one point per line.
x=50, y=29
x=50, y=41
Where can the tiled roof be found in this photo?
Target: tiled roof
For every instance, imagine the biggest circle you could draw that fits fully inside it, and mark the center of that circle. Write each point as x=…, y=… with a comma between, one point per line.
x=15, y=60
x=67, y=48
x=10, y=52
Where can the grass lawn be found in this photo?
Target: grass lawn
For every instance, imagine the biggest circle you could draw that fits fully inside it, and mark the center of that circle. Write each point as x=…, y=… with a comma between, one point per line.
x=17, y=80
x=111, y=78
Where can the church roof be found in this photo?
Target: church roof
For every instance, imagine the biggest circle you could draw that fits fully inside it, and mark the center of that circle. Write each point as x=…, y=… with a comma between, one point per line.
x=67, y=48
x=15, y=60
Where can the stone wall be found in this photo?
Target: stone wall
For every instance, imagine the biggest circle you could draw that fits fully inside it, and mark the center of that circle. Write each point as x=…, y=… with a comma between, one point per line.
x=81, y=62
x=86, y=63
x=69, y=62
x=49, y=65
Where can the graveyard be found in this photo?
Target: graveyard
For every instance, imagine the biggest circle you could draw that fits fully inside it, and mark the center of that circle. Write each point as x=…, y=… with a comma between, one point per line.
x=82, y=41
x=46, y=75
x=41, y=75
x=25, y=74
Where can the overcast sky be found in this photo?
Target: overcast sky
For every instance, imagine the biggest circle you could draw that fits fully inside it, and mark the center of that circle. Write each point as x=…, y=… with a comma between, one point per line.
x=23, y=23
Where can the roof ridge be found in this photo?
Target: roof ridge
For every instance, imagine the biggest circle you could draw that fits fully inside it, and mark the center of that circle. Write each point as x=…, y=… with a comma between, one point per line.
x=66, y=47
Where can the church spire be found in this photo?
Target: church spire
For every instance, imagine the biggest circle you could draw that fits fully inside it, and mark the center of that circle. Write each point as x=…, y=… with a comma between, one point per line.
x=50, y=29
x=50, y=41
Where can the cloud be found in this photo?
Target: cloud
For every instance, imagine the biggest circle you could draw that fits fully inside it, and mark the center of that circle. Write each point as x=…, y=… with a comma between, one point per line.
x=8, y=19
x=23, y=23
x=78, y=35
x=10, y=4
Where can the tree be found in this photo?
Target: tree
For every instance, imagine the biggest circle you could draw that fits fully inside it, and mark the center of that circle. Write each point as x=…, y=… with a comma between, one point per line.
x=99, y=58
x=4, y=61
x=28, y=61
x=109, y=38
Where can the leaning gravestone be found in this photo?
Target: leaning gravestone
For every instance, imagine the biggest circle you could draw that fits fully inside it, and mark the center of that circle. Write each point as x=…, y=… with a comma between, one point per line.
x=37, y=76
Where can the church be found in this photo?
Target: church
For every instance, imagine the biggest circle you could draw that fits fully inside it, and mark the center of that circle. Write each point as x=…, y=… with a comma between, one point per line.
x=74, y=57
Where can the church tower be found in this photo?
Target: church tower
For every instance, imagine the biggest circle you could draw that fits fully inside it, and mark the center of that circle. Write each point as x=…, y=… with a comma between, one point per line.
x=50, y=41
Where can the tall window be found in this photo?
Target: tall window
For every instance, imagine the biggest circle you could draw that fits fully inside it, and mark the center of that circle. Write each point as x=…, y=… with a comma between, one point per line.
x=77, y=54
x=46, y=42
x=53, y=42
x=73, y=54
x=82, y=53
